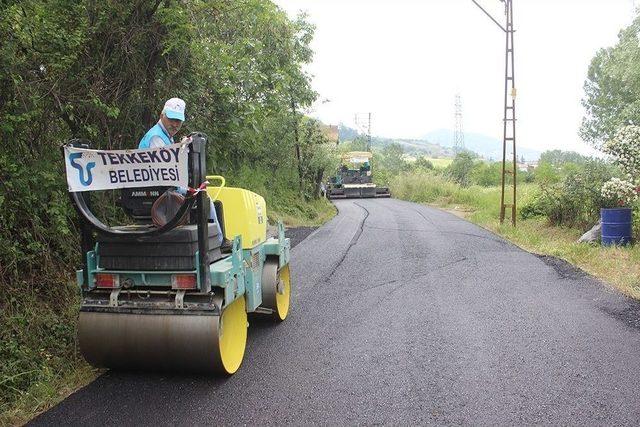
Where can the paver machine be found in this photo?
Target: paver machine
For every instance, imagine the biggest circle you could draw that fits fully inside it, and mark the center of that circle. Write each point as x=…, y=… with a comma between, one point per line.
x=167, y=297
x=354, y=178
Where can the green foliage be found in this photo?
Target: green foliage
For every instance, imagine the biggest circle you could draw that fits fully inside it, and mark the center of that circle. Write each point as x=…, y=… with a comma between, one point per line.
x=282, y=197
x=359, y=143
x=101, y=71
x=486, y=174
x=547, y=174
x=422, y=163
x=317, y=156
x=392, y=159
x=573, y=201
x=612, y=88
x=460, y=170
x=560, y=157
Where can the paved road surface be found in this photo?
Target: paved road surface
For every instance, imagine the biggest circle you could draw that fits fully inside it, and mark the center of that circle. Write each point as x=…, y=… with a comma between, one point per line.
x=404, y=314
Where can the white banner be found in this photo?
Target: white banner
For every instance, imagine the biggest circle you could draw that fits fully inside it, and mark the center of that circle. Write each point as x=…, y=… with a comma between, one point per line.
x=91, y=170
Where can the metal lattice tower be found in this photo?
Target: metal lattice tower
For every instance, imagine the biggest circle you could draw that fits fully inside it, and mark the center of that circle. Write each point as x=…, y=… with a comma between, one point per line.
x=458, y=133
x=363, y=122
x=509, y=163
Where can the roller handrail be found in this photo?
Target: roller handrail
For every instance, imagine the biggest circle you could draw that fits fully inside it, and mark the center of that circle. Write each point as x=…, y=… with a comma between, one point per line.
x=223, y=182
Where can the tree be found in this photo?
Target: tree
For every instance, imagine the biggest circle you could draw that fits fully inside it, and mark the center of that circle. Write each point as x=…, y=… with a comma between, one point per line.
x=559, y=157
x=486, y=174
x=101, y=71
x=612, y=88
x=422, y=163
x=392, y=158
x=318, y=154
x=460, y=169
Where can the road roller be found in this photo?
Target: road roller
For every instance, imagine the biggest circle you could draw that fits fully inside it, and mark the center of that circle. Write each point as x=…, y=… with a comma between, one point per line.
x=170, y=297
x=354, y=178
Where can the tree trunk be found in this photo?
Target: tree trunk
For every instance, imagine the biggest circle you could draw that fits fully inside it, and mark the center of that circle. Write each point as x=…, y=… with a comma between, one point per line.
x=296, y=138
x=319, y=176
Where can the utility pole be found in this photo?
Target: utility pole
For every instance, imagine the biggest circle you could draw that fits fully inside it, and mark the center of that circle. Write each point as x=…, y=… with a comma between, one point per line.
x=509, y=131
x=363, y=121
x=458, y=134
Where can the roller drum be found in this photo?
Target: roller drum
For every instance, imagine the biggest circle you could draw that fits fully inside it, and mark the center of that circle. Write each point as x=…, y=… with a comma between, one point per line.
x=276, y=288
x=165, y=342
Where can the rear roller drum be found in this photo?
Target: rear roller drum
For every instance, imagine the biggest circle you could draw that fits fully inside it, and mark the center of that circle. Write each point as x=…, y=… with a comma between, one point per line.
x=276, y=288
x=167, y=342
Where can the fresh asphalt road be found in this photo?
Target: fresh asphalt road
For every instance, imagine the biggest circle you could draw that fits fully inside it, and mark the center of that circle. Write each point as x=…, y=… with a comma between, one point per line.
x=404, y=314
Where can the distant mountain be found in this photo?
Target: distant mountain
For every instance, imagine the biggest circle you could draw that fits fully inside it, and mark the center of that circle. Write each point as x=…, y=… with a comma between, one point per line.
x=485, y=146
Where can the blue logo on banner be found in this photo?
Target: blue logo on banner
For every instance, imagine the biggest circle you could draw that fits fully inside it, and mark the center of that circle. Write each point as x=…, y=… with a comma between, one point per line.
x=89, y=178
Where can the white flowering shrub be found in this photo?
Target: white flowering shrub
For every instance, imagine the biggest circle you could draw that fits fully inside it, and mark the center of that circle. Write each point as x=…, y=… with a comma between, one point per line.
x=624, y=148
x=619, y=193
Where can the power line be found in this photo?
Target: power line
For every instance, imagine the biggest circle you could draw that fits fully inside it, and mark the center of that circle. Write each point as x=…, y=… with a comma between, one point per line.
x=363, y=122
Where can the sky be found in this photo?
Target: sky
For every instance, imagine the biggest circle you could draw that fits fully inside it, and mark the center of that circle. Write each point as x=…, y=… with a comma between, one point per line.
x=405, y=60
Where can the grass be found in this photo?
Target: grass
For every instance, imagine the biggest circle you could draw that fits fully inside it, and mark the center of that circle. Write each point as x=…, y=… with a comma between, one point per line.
x=41, y=364
x=618, y=266
x=440, y=163
x=47, y=393
x=297, y=213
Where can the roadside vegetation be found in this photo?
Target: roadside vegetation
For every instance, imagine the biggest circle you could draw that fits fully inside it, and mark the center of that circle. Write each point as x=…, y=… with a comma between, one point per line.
x=102, y=71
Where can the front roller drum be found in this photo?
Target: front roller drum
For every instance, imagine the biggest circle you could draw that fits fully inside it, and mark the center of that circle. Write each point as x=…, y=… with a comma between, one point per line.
x=276, y=288
x=190, y=342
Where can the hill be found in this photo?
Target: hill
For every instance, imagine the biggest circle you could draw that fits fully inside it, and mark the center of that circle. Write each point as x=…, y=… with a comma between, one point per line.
x=485, y=146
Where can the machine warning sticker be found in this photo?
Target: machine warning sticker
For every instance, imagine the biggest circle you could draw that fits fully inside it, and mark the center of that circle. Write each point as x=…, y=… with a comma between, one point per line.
x=260, y=213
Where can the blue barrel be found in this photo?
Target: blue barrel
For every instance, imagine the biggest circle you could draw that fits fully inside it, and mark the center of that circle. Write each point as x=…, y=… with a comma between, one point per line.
x=616, y=226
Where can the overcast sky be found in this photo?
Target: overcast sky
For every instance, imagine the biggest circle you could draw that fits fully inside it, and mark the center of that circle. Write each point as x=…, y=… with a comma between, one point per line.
x=405, y=60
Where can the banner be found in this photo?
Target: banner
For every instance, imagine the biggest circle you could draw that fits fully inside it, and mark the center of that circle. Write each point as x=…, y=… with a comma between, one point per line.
x=91, y=170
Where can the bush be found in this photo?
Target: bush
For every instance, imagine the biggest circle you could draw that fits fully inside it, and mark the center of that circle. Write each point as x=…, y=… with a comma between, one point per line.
x=422, y=163
x=576, y=200
x=534, y=208
x=486, y=174
x=460, y=170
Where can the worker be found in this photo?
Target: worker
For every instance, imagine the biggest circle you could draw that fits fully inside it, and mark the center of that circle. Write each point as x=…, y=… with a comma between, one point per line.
x=171, y=120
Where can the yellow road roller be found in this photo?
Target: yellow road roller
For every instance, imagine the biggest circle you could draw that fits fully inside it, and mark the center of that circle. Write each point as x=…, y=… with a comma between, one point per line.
x=168, y=296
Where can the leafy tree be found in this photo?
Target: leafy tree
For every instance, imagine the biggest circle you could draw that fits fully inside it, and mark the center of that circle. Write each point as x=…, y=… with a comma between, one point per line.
x=318, y=155
x=460, y=169
x=486, y=174
x=560, y=157
x=102, y=70
x=422, y=163
x=612, y=88
x=392, y=158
